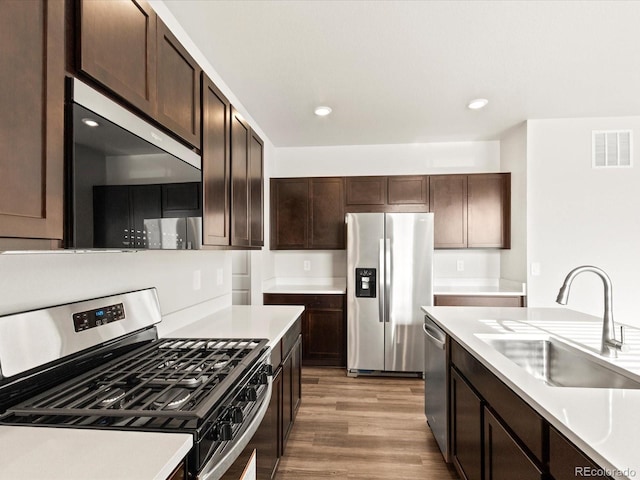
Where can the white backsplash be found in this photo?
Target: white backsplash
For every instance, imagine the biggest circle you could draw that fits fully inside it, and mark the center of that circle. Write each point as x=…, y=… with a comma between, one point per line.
x=476, y=264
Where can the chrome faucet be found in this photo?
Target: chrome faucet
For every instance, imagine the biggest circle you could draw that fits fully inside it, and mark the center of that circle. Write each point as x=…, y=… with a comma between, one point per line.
x=609, y=345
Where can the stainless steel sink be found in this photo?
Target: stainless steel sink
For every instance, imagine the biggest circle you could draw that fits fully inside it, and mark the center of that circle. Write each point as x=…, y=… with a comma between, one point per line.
x=558, y=363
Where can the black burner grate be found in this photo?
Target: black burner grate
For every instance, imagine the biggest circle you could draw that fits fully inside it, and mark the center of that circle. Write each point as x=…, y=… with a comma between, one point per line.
x=168, y=383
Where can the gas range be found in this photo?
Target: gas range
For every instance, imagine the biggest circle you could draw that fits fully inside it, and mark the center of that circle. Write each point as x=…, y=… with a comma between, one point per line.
x=108, y=370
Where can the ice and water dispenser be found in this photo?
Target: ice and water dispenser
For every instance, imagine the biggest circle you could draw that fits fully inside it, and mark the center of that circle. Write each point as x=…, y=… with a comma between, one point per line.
x=366, y=282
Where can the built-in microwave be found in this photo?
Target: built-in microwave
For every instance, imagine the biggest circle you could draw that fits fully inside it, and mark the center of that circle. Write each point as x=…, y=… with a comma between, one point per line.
x=129, y=185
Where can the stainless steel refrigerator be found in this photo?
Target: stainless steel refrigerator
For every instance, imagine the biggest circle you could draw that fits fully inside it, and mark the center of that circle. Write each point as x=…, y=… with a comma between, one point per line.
x=389, y=277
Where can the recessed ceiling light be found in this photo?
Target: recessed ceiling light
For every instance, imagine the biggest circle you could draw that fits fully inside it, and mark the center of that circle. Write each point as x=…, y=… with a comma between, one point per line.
x=89, y=122
x=322, y=111
x=477, y=103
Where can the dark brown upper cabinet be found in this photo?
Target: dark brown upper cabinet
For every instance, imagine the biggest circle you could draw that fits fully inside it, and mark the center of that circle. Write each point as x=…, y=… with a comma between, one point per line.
x=408, y=193
x=240, y=221
x=126, y=48
x=408, y=190
x=31, y=124
x=216, y=164
x=256, y=190
x=489, y=210
x=448, y=202
x=471, y=211
x=366, y=191
x=178, y=83
x=117, y=48
x=307, y=213
x=289, y=213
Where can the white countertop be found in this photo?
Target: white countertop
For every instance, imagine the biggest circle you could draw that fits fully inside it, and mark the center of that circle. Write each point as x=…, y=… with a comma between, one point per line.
x=604, y=423
x=39, y=453
x=243, y=321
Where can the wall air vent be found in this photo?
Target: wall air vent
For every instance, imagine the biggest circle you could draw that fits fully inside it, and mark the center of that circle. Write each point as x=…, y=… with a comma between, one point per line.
x=611, y=148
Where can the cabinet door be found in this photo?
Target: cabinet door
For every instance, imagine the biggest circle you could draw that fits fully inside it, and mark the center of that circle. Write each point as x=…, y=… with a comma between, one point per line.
x=31, y=119
x=466, y=429
x=296, y=376
x=565, y=459
x=216, y=164
x=324, y=338
x=327, y=227
x=118, y=48
x=408, y=190
x=287, y=398
x=289, y=213
x=503, y=457
x=448, y=202
x=256, y=194
x=178, y=79
x=267, y=438
x=488, y=198
x=366, y=190
x=240, y=133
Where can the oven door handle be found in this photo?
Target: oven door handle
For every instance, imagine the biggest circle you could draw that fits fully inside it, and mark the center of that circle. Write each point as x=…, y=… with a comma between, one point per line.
x=216, y=470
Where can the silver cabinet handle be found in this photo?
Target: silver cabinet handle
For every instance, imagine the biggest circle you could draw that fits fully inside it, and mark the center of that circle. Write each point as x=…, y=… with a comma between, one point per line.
x=439, y=343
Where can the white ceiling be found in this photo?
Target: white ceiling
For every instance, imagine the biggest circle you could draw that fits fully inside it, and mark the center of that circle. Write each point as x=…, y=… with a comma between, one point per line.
x=403, y=71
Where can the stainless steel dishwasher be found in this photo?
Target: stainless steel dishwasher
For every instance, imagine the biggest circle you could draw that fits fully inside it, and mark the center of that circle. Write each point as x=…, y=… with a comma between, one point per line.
x=435, y=383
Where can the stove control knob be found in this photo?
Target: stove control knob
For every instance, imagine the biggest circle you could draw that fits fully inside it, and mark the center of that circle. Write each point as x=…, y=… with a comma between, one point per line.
x=236, y=415
x=263, y=379
x=267, y=369
x=224, y=432
x=250, y=394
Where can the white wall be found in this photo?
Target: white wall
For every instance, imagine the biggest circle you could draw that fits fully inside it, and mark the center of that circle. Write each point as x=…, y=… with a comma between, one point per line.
x=406, y=159
x=579, y=215
x=513, y=158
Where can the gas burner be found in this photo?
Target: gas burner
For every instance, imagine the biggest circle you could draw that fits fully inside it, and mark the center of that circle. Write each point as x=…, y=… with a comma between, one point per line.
x=113, y=397
x=175, y=396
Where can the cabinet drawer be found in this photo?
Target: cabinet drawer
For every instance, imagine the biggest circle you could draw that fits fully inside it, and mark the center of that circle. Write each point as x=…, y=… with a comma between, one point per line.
x=477, y=301
x=526, y=424
x=308, y=301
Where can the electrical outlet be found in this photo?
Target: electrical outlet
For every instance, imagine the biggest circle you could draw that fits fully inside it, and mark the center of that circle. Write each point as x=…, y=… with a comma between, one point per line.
x=535, y=269
x=306, y=265
x=219, y=277
x=460, y=265
x=197, y=280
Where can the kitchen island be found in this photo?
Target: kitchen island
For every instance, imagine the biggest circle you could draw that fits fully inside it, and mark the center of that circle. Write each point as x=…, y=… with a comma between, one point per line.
x=64, y=453
x=601, y=422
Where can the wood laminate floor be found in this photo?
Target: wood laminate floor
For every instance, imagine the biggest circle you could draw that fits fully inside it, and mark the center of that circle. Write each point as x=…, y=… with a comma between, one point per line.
x=365, y=428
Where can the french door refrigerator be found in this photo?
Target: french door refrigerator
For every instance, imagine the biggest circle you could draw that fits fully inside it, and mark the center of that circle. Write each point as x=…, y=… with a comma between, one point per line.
x=389, y=277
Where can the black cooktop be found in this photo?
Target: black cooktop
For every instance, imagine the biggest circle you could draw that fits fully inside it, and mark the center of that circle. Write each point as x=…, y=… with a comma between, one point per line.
x=168, y=384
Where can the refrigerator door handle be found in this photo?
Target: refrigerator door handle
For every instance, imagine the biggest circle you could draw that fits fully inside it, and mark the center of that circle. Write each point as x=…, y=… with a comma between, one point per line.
x=387, y=279
x=381, y=282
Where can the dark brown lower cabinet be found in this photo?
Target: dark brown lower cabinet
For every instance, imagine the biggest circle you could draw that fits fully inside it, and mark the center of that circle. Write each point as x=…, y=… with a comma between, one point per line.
x=566, y=462
x=291, y=389
x=270, y=439
x=504, y=459
x=478, y=301
x=496, y=435
x=324, y=327
x=466, y=428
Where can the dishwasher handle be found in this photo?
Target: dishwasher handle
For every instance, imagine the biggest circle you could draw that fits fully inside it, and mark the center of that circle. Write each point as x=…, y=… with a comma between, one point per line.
x=433, y=334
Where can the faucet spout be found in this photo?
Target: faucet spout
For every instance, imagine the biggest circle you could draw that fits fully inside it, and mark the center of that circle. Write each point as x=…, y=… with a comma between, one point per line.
x=609, y=344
